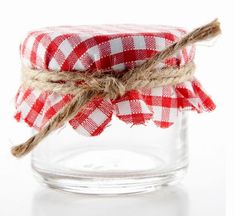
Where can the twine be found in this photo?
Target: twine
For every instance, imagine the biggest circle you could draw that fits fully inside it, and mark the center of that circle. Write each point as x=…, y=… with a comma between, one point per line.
x=86, y=86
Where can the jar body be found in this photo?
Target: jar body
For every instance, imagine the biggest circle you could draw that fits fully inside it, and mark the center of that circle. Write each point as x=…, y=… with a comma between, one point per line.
x=122, y=159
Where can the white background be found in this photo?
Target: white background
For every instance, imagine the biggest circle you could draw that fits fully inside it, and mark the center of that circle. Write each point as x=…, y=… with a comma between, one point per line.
x=203, y=190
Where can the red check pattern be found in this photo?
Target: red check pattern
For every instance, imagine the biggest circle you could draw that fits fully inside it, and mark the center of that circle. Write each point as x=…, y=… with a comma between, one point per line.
x=116, y=48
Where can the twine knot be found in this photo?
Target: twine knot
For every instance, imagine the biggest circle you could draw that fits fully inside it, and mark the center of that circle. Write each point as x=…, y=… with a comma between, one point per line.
x=107, y=86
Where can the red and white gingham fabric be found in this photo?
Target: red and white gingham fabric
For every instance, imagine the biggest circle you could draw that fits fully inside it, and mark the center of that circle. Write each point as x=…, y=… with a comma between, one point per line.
x=107, y=47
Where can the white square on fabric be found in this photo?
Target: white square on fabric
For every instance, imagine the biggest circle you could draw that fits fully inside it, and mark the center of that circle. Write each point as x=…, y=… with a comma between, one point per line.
x=173, y=113
x=31, y=42
x=81, y=130
x=66, y=48
x=160, y=43
x=52, y=100
x=144, y=107
x=41, y=51
x=26, y=62
x=116, y=46
x=85, y=36
x=54, y=35
x=38, y=121
x=25, y=108
x=53, y=65
x=139, y=42
x=157, y=113
x=124, y=108
x=139, y=62
x=119, y=67
x=187, y=85
x=156, y=92
x=94, y=53
x=79, y=66
x=98, y=116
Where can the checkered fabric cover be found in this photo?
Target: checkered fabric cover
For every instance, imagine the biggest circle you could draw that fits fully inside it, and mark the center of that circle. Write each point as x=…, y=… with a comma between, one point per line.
x=107, y=47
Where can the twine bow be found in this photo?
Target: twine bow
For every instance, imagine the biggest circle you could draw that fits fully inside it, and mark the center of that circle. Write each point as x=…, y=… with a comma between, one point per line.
x=86, y=86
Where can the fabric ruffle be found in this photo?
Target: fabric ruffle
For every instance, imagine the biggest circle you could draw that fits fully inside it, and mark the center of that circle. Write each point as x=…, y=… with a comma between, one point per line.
x=160, y=105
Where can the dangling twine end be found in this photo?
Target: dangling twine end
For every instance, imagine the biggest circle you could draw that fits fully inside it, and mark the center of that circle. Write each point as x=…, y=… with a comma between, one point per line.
x=16, y=150
x=205, y=32
x=216, y=24
x=24, y=148
x=215, y=29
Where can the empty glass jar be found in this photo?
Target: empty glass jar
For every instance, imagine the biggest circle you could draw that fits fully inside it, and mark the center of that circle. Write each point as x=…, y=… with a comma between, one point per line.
x=121, y=158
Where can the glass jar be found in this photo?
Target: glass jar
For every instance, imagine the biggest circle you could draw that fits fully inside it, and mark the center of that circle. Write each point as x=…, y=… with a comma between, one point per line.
x=122, y=159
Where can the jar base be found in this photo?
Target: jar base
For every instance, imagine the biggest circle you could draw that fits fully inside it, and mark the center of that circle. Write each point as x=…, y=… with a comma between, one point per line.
x=112, y=186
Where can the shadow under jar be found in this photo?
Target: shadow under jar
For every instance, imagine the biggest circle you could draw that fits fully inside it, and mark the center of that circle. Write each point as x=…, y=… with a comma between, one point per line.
x=122, y=159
